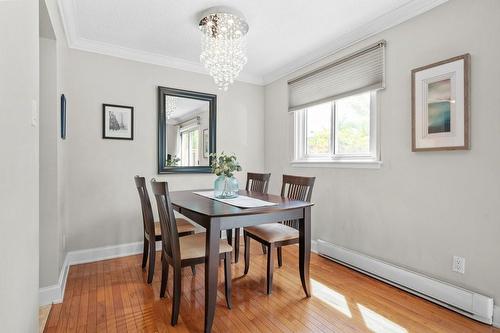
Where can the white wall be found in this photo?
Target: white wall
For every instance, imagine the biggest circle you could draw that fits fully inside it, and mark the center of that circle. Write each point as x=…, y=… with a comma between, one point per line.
x=419, y=209
x=19, y=166
x=103, y=204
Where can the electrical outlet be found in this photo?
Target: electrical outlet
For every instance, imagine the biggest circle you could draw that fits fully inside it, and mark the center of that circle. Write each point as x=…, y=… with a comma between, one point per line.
x=458, y=264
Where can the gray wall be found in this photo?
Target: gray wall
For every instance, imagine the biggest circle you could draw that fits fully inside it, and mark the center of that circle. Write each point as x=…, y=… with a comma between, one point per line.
x=19, y=166
x=53, y=171
x=50, y=228
x=103, y=204
x=419, y=209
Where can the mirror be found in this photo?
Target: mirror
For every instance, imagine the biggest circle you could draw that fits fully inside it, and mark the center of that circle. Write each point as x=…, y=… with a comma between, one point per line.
x=186, y=130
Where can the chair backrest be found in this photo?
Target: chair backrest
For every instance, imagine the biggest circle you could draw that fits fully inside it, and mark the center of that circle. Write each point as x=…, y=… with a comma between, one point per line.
x=258, y=182
x=147, y=212
x=297, y=188
x=169, y=233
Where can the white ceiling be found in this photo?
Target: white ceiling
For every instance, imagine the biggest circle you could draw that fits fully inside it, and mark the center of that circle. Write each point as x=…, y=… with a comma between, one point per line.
x=188, y=107
x=284, y=35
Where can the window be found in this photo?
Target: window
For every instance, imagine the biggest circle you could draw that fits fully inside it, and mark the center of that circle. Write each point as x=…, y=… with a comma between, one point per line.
x=334, y=110
x=190, y=147
x=340, y=130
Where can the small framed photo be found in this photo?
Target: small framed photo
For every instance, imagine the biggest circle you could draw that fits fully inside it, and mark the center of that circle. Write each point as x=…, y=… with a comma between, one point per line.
x=117, y=122
x=440, y=105
x=205, y=143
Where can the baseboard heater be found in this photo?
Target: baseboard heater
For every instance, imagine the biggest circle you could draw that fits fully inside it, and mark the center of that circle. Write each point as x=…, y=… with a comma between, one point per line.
x=466, y=302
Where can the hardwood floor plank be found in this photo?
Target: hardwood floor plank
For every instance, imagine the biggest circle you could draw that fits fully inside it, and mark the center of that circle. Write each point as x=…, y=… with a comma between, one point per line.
x=113, y=296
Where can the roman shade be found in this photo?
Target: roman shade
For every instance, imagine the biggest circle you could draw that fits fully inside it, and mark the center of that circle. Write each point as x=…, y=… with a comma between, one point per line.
x=355, y=73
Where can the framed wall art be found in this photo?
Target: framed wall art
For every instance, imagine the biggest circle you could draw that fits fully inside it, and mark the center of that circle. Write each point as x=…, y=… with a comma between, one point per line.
x=440, y=105
x=117, y=122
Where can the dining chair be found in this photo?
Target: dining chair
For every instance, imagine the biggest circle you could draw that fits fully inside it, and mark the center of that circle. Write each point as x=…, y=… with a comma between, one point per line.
x=152, y=230
x=277, y=235
x=185, y=251
x=256, y=182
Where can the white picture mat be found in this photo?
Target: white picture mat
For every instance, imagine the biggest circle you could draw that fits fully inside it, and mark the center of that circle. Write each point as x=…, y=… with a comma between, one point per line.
x=127, y=120
x=241, y=201
x=456, y=138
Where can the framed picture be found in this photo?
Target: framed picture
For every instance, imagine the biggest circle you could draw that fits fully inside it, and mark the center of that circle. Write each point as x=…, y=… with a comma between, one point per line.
x=440, y=105
x=205, y=143
x=63, y=117
x=117, y=122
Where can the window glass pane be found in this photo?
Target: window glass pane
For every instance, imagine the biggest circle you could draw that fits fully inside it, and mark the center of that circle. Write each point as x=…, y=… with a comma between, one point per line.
x=352, y=125
x=194, y=147
x=318, y=129
x=184, y=148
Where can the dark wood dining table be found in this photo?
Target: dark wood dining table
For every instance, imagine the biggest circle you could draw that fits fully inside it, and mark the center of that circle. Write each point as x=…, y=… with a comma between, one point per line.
x=215, y=216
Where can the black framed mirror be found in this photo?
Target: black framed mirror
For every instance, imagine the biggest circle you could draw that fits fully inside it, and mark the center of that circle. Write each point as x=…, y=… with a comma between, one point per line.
x=186, y=130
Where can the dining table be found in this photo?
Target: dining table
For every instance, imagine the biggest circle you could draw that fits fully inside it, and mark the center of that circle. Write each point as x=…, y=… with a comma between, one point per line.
x=216, y=216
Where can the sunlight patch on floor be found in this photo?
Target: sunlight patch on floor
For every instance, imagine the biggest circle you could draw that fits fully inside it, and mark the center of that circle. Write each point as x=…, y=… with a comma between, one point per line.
x=378, y=323
x=330, y=297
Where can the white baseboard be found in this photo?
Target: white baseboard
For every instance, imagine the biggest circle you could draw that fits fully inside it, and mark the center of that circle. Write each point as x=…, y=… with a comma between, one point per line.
x=55, y=293
x=496, y=316
x=466, y=302
x=104, y=253
x=314, y=246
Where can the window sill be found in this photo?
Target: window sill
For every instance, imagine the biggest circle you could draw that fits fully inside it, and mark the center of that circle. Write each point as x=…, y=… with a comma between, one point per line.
x=353, y=164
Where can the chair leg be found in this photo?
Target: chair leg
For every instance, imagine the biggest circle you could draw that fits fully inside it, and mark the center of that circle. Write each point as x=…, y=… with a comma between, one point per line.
x=164, y=277
x=270, y=266
x=176, y=302
x=247, y=251
x=264, y=249
x=145, y=252
x=229, y=236
x=227, y=278
x=236, y=245
x=280, y=256
x=152, y=257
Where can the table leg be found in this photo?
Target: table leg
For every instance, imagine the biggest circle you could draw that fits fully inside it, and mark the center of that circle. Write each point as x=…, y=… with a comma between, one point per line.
x=211, y=270
x=305, y=249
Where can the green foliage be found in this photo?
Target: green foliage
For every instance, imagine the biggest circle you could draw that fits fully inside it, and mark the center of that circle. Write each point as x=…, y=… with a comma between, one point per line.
x=319, y=143
x=353, y=139
x=173, y=161
x=224, y=164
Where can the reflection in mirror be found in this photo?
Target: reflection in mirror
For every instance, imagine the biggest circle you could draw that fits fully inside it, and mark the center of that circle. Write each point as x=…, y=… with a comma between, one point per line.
x=186, y=130
x=187, y=125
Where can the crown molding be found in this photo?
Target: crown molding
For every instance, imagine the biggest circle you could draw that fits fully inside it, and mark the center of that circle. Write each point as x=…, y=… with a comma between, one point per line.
x=381, y=23
x=84, y=44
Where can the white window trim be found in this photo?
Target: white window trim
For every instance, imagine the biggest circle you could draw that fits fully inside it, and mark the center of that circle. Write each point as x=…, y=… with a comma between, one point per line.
x=299, y=149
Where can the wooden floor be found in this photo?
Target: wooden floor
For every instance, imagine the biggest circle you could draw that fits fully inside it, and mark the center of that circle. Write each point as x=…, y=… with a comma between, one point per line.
x=112, y=296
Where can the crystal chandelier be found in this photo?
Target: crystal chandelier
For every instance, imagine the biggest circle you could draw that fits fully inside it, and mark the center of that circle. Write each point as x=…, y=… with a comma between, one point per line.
x=223, y=44
x=169, y=106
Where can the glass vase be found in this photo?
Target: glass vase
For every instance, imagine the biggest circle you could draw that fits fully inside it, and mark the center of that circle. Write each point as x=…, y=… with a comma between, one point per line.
x=226, y=187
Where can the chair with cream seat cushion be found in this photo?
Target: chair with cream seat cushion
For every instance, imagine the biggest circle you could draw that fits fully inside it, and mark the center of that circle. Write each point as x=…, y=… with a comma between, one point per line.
x=184, y=251
x=276, y=235
x=152, y=230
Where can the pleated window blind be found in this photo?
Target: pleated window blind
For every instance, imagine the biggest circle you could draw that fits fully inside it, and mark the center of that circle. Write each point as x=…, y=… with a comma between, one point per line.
x=355, y=73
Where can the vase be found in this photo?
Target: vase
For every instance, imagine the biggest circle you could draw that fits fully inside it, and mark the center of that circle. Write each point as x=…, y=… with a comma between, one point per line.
x=226, y=187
